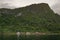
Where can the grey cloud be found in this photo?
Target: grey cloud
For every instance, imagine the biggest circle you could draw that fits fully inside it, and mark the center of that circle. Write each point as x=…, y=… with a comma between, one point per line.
x=6, y=5
x=56, y=7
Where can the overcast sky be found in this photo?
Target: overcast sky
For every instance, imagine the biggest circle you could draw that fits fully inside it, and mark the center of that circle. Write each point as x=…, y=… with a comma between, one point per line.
x=54, y=4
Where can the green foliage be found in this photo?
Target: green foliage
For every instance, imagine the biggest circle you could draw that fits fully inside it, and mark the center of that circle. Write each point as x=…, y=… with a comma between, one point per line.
x=36, y=17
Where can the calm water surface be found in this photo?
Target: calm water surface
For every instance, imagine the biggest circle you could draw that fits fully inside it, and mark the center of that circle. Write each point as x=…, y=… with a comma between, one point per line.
x=30, y=37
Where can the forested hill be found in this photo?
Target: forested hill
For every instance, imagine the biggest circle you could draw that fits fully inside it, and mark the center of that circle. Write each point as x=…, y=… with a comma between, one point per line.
x=33, y=18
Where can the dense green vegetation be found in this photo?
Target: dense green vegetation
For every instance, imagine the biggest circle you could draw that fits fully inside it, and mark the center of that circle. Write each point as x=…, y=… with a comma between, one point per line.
x=36, y=17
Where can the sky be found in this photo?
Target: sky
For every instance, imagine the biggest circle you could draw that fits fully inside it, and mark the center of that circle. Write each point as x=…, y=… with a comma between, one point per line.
x=54, y=4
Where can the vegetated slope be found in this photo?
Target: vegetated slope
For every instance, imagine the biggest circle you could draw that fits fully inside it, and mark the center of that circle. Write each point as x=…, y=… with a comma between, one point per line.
x=36, y=17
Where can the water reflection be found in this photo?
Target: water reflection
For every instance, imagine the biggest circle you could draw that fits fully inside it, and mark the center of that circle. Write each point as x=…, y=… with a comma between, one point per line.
x=30, y=37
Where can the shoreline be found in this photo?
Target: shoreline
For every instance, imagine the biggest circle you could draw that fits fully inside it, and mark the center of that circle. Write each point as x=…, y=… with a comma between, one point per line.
x=29, y=33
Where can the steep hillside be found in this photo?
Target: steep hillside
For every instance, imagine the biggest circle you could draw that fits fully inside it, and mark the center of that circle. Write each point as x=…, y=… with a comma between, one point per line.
x=36, y=17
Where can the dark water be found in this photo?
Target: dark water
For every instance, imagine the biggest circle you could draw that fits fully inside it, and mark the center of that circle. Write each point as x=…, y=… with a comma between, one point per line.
x=31, y=37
